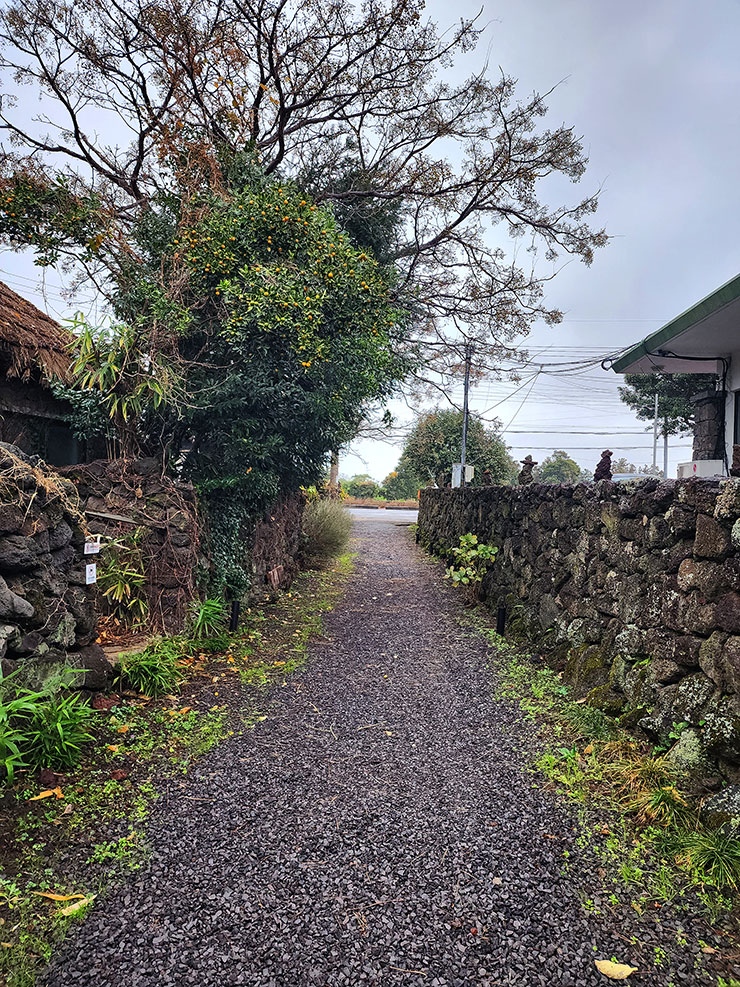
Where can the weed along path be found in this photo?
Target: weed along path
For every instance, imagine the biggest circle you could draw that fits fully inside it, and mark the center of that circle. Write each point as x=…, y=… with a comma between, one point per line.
x=379, y=827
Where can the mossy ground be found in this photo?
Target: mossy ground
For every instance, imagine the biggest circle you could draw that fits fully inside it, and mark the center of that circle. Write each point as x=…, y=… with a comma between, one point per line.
x=71, y=843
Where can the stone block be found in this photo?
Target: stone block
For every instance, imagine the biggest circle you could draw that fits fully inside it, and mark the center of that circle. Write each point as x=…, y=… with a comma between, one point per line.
x=13, y=607
x=681, y=521
x=719, y=659
x=712, y=539
x=12, y=519
x=709, y=578
x=17, y=553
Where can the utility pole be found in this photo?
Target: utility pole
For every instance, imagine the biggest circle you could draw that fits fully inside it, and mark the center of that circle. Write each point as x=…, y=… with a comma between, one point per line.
x=665, y=450
x=655, y=433
x=468, y=355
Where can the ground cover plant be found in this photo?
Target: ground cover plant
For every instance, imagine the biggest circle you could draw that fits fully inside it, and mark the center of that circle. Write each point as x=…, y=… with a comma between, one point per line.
x=65, y=834
x=637, y=814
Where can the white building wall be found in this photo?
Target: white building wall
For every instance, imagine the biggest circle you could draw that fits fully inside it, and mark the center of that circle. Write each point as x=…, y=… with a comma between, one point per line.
x=733, y=386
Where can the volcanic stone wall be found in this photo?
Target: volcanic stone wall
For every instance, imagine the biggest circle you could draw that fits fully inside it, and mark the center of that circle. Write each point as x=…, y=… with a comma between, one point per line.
x=631, y=588
x=120, y=497
x=47, y=615
x=277, y=545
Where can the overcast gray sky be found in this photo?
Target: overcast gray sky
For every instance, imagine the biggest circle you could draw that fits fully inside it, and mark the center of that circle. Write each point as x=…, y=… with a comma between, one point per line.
x=652, y=87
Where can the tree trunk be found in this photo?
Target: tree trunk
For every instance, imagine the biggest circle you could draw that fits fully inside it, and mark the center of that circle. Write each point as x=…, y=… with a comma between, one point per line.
x=334, y=474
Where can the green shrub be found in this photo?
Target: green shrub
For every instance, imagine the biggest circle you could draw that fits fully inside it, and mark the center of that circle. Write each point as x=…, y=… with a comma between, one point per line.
x=16, y=705
x=588, y=721
x=471, y=560
x=326, y=527
x=40, y=729
x=207, y=618
x=56, y=730
x=155, y=670
x=710, y=856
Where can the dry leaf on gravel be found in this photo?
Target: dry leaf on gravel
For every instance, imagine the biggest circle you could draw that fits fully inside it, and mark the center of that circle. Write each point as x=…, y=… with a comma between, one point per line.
x=614, y=971
x=57, y=897
x=71, y=909
x=47, y=793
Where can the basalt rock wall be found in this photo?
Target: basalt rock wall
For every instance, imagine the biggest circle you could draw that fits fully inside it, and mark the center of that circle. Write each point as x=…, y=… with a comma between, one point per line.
x=632, y=589
x=47, y=612
x=277, y=545
x=121, y=497
x=131, y=498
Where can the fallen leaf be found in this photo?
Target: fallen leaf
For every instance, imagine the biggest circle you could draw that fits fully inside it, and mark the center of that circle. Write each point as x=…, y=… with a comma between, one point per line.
x=7, y=945
x=496, y=880
x=589, y=749
x=123, y=729
x=47, y=793
x=184, y=710
x=112, y=747
x=57, y=897
x=71, y=909
x=614, y=971
x=708, y=949
x=474, y=931
x=119, y=774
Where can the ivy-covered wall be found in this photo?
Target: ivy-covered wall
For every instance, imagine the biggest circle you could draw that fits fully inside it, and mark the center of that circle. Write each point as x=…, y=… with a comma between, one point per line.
x=633, y=589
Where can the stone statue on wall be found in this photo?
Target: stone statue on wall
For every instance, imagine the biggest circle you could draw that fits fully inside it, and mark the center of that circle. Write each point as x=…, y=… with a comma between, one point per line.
x=603, y=469
x=526, y=474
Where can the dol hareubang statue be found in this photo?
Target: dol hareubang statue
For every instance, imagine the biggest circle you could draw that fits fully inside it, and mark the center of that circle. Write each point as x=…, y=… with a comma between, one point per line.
x=603, y=469
x=526, y=474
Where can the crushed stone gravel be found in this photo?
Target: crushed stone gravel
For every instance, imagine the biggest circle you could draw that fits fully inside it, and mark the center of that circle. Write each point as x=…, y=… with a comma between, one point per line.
x=379, y=828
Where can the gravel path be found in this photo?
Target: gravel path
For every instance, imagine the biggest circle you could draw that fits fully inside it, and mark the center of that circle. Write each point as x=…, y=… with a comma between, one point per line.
x=378, y=828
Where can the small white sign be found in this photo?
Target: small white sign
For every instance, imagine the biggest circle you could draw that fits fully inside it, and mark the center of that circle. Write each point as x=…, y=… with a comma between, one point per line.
x=91, y=573
x=93, y=547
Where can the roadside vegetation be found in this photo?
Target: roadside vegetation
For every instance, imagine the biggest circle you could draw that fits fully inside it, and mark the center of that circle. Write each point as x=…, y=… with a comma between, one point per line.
x=646, y=844
x=638, y=815
x=85, y=777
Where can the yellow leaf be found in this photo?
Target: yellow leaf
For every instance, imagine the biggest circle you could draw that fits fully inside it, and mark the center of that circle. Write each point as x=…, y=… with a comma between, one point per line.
x=112, y=747
x=123, y=729
x=589, y=749
x=57, y=897
x=7, y=945
x=47, y=793
x=71, y=909
x=614, y=971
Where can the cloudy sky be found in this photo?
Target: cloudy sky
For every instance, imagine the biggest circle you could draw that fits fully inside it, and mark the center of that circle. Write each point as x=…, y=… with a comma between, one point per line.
x=652, y=88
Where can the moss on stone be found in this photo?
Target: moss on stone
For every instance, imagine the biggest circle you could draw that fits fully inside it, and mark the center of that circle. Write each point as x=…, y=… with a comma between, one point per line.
x=604, y=698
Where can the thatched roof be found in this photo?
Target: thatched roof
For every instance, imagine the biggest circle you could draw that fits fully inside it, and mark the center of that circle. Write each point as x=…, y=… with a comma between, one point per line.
x=29, y=339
